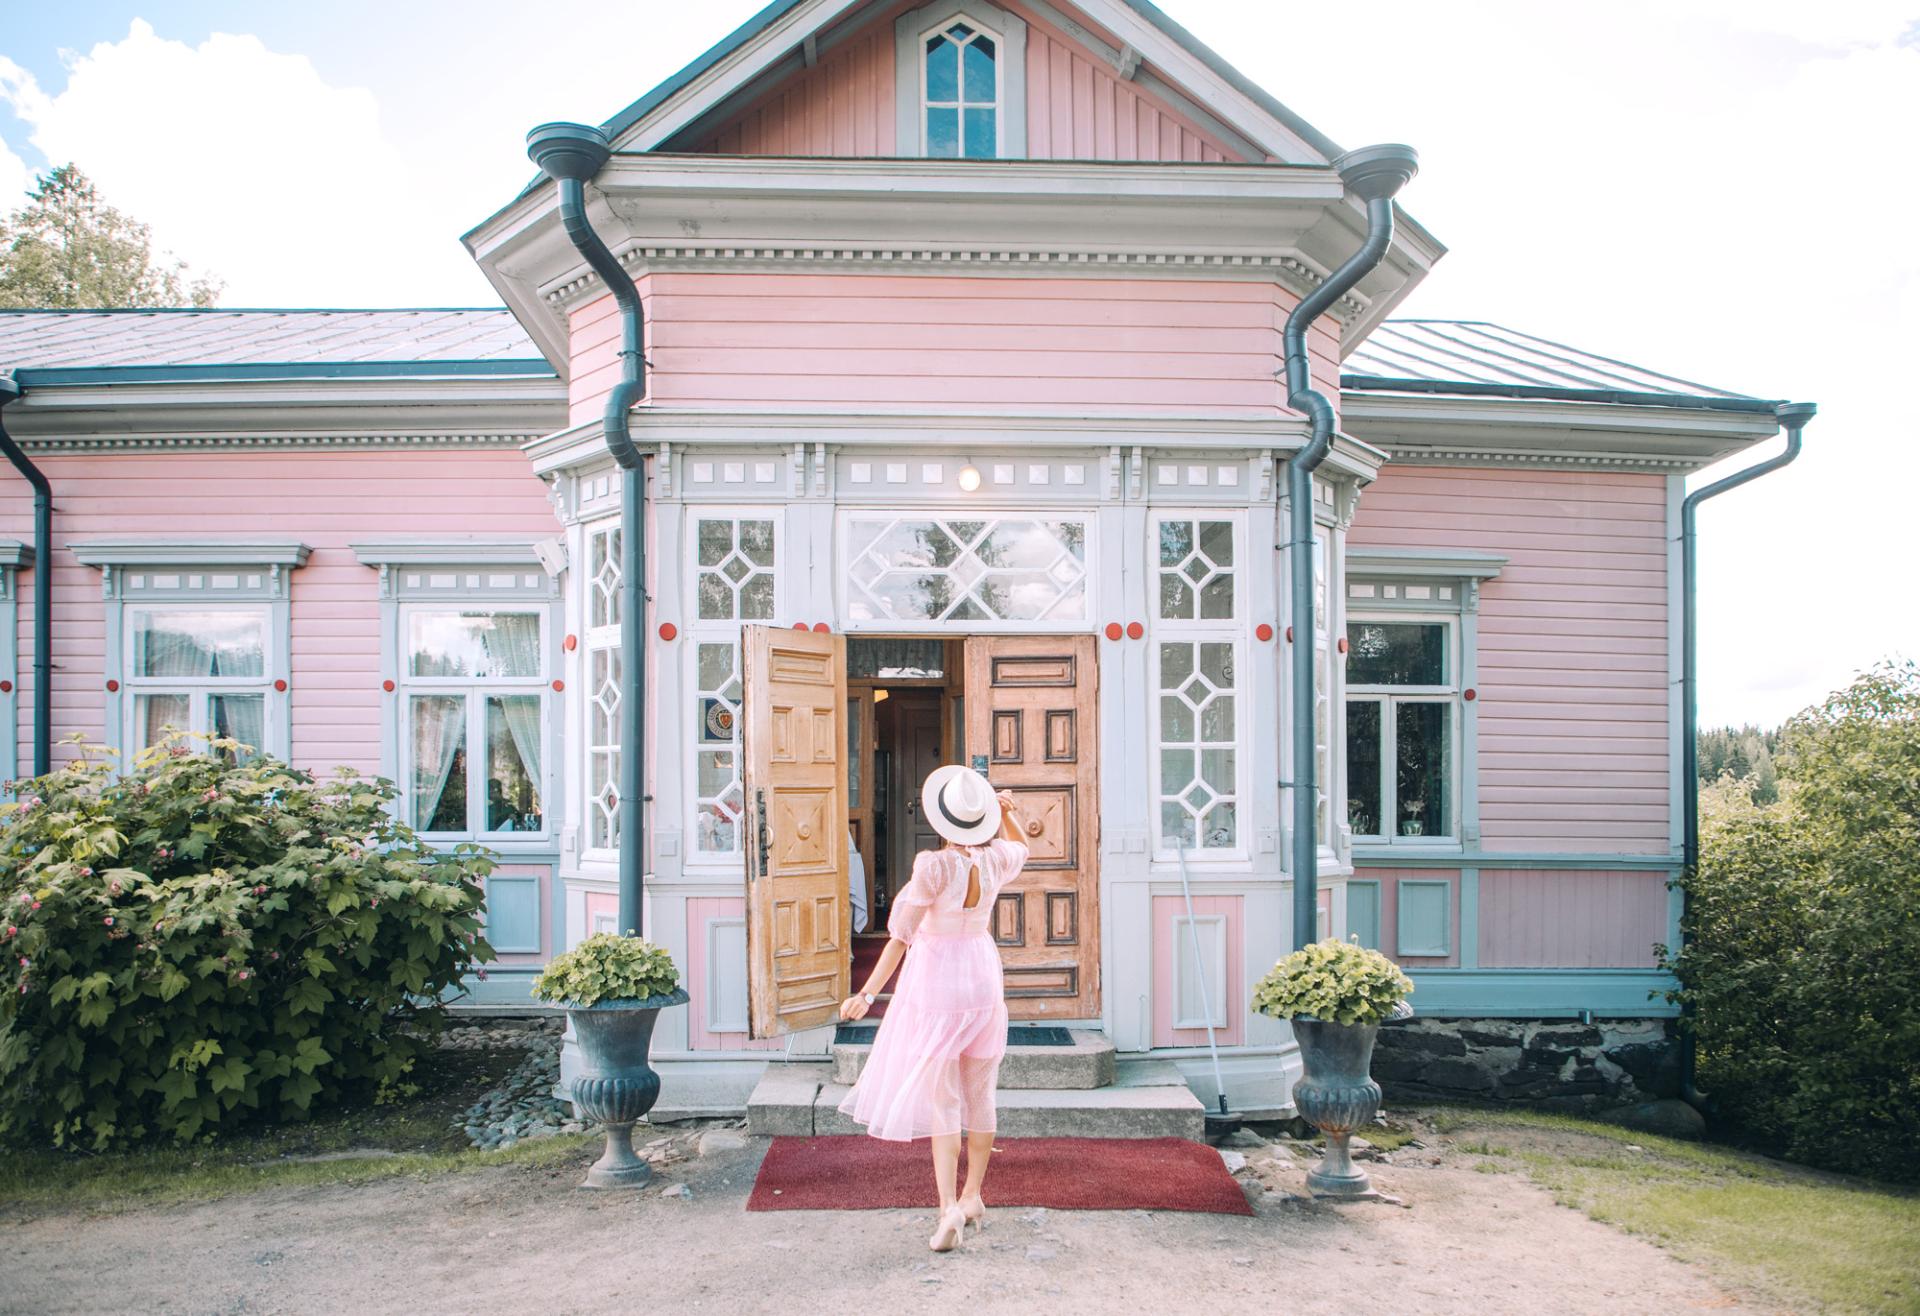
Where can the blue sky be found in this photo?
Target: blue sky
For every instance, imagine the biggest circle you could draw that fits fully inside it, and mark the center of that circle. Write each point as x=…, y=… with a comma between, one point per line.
x=1711, y=188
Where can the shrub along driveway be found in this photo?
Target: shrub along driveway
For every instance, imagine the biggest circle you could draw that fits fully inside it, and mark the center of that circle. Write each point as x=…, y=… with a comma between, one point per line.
x=1483, y=1235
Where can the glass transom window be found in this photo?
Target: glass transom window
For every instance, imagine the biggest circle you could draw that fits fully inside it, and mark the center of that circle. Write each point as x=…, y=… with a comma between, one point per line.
x=1013, y=569
x=201, y=670
x=475, y=721
x=961, y=86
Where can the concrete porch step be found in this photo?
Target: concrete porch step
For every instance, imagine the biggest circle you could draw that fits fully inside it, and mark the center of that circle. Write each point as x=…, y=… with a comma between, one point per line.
x=1087, y=1064
x=1146, y=1100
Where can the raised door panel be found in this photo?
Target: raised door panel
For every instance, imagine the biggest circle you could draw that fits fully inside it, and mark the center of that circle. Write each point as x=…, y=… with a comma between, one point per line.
x=1031, y=720
x=799, y=918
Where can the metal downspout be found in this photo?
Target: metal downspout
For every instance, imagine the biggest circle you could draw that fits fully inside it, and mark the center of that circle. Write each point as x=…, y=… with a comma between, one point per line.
x=570, y=154
x=1374, y=174
x=42, y=586
x=1794, y=416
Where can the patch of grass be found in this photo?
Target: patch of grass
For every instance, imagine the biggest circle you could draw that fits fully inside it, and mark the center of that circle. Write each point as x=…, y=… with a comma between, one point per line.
x=1847, y=1245
x=415, y=1136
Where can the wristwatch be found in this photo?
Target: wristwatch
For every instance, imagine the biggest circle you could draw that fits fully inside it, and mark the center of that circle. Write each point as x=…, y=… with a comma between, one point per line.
x=868, y=997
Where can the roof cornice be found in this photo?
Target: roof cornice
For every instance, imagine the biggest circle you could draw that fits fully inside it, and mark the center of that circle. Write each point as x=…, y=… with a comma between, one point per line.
x=1434, y=430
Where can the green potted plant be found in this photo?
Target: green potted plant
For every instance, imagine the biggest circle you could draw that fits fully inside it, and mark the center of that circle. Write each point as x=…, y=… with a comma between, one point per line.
x=614, y=988
x=1336, y=994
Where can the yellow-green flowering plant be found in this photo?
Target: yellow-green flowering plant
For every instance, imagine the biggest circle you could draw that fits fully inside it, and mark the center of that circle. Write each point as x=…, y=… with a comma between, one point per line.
x=1334, y=982
x=607, y=967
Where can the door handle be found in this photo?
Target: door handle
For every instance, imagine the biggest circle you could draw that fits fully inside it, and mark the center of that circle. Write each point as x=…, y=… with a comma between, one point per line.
x=761, y=840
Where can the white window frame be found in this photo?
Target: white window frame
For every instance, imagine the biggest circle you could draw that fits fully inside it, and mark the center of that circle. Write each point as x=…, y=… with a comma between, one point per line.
x=1229, y=630
x=713, y=630
x=1390, y=698
x=476, y=692
x=14, y=557
x=162, y=575
x=197, y=689
x=1009, y=31
x=1051, y=625
x=595, y=641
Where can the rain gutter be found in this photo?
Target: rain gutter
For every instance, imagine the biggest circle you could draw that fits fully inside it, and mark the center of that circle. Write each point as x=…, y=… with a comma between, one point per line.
x=10, y=391
x=1552, y=393
x=1374, y=174
x=570, y=154
x=1794, y=416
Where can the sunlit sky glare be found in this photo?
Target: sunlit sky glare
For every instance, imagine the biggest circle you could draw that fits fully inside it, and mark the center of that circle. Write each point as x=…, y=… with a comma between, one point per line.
x=1720, y=191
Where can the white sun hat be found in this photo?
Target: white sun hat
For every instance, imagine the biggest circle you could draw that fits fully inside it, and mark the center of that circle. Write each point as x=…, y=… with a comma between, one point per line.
x=960, y=805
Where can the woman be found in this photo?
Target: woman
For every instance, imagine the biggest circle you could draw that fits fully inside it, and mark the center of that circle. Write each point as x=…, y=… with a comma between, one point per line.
x=936, y=1060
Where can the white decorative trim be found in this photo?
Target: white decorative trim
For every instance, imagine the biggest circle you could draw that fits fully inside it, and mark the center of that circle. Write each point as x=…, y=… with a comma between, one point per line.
x=1296, y=274
x=109, y=553
x=1451, y=563
x=470, y=551
x=1010, y=68
x=268, y=442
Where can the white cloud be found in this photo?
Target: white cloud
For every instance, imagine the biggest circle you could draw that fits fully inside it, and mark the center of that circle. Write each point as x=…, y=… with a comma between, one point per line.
x=248, y=164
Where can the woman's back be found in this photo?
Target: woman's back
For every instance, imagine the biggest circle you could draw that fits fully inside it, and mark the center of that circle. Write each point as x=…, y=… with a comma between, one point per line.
x=953, y=890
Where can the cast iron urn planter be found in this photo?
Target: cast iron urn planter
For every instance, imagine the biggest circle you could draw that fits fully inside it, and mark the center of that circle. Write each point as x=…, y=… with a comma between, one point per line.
x=616, y=1085
x=1336, y=1094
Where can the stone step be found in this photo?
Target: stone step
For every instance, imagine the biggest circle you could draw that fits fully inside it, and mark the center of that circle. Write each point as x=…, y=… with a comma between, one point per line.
x=1088, y=1063
x=1146, y=1100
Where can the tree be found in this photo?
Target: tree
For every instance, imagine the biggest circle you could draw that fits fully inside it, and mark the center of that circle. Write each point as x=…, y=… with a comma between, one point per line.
x=67, y=249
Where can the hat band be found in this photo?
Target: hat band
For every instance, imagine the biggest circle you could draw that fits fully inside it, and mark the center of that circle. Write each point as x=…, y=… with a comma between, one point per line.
x=940, y=802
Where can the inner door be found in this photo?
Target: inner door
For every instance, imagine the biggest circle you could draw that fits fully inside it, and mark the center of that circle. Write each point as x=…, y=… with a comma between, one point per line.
x=1031, y=727
x=794, y=754
x=916, y=753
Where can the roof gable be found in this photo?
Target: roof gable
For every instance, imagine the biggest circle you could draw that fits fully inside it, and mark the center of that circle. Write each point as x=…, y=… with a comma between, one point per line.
x=1170, y=71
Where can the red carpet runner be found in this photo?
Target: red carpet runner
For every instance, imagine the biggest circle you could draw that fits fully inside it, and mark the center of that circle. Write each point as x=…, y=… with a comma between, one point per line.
x=859, y=1173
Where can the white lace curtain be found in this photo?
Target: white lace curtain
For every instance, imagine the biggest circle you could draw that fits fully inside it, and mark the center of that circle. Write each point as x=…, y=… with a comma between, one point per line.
x=439, y=732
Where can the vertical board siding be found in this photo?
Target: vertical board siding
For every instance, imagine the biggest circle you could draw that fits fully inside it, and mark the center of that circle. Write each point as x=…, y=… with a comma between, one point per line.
x=1077, y=106
x=1011, y=343
x=1172, y=948
x=1572, y=685
x=1571, y=919
x=326, y=500
x=702, y=912
x=1389, y=880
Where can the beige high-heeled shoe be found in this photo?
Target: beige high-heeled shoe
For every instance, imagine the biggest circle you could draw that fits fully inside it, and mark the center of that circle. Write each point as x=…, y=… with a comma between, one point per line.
x=952, y=1229
x=975, y=1210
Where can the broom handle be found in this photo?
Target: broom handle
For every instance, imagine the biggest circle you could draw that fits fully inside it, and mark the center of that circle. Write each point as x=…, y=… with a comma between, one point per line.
x=1206, y=1006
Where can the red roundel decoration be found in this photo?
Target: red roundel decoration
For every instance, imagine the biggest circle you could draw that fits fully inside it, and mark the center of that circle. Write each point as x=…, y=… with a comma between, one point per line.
x=571, y=643
x=387, y=686
x=559, y=685
x=1470, y=695
x=1135, y=630
x=112, y=686
x=799, y=626
x=819, y=628
x=1263, y=632
x=6, y=687
x=1341, y=643
x=1114, y=630
x=281, y=686
x=668, y=630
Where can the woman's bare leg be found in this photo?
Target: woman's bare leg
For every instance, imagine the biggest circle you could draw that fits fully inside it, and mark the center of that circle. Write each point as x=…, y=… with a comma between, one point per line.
x=946, y=1166
x=979, y=1148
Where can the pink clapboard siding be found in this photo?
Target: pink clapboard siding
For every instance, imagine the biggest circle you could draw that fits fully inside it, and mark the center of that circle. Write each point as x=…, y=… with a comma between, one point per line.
x=325, y=500
x=1572, y=687
x=1011, y=343
x=1172, y=945
x=1077, y=107
x=702, y=913
x=1390, y=879
x=1564, y=919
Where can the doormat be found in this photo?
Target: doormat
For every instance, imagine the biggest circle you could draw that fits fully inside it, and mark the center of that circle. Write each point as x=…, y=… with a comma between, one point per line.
x=1035, y=1035
x=858, y=1173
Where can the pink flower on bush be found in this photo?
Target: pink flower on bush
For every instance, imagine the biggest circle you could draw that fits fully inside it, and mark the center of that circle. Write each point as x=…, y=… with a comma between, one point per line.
x=242, y=975
x=260, y=891
x=213, y=793
x=375, y=902
x=273, y=954
x=12, y=931
x=108, y=920
x=113, y=888
x=86, y=872
x=480, y=974
x=36, y=904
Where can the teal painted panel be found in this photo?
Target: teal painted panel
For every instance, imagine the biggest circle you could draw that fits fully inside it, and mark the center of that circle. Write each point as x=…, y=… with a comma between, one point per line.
x=1542, y=993
x=1363, y=913
x=513, y=914
x=1423, y=918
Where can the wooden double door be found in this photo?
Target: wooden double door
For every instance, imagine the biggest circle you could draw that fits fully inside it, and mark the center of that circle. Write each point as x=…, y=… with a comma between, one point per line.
x=1031, y=710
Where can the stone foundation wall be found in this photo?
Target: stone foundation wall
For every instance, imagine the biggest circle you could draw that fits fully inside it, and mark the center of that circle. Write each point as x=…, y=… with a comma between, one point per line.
x=1556, y=1063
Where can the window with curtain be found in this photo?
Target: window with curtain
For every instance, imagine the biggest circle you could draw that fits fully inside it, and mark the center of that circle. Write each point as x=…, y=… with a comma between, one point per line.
x=198, y=669
x=475, y=708
x=1402, y=706
x=960, y=89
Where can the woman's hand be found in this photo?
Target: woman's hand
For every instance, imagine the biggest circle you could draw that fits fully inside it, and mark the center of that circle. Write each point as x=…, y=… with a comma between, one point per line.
x=853, y=1008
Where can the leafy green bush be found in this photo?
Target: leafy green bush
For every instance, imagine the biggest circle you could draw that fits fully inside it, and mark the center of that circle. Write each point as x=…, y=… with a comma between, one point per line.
x=607, y=967
x=1335, y=982
x=198, y=943
x=1804, y=963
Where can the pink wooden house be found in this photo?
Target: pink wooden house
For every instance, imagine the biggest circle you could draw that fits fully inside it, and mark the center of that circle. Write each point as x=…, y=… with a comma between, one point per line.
x=965, y=411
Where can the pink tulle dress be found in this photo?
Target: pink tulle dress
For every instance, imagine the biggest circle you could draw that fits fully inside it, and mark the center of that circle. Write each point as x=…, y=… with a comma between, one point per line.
x=936, y=1059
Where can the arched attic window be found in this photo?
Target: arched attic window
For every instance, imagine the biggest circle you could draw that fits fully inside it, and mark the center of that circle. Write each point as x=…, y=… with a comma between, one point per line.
x=961, y=80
